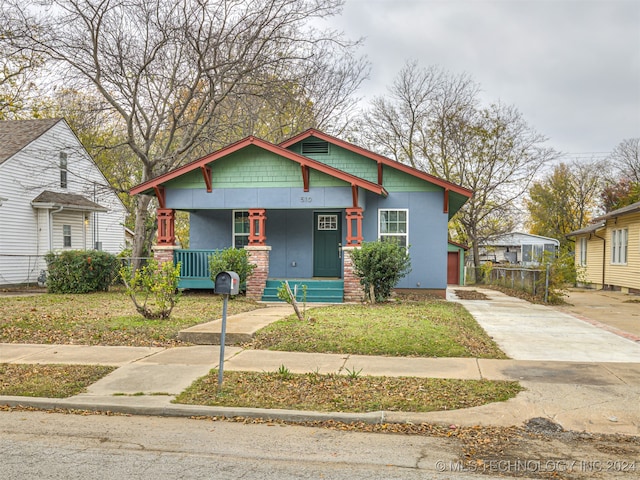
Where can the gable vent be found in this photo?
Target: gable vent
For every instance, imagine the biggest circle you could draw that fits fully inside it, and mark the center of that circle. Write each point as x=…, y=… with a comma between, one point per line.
x=315, y=147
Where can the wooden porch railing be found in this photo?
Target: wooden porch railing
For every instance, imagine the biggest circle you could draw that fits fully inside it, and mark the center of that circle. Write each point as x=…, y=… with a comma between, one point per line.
x=194, y=268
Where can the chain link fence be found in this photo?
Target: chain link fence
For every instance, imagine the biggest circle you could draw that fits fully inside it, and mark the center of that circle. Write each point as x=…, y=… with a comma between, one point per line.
x=531, y=280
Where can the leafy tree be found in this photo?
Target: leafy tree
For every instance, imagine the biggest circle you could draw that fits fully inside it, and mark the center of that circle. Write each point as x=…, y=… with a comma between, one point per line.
x=153, y=288
x=564, y=200
x=380, y=266
x=169, y=71
x=433, y=120
x=619, y=194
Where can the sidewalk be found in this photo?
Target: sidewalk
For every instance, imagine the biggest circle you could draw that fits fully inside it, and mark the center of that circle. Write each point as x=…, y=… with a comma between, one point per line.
x=564, y=367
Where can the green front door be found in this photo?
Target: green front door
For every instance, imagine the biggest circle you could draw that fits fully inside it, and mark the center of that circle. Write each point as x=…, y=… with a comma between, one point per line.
x=327, y=238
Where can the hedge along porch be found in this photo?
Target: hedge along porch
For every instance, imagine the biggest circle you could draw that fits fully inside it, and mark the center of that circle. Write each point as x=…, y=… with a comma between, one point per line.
x=300, y=207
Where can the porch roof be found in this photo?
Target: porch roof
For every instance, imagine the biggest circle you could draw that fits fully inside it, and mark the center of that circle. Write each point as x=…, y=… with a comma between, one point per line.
x=151, y=187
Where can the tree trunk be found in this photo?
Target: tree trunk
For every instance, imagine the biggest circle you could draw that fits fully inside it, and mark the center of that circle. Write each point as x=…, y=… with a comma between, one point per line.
x=140, y=231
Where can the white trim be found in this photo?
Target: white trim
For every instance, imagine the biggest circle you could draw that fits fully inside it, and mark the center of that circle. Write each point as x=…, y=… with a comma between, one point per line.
x=387, y=234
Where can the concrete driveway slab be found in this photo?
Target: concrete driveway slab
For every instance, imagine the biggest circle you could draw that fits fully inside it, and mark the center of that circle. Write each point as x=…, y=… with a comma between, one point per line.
x=629, y=373
x=548, y=372
x=526, y=331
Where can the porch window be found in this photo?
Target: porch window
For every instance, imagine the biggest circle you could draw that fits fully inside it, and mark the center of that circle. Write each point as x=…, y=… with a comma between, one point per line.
x=240, y=228
x=393, y=226
x=63, y=170
x=583, y=251
x=619, y=239
x=66, y=236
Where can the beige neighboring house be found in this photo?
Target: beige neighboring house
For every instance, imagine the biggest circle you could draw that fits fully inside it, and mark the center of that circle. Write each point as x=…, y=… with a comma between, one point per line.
x=608, y=251
x=53, y=197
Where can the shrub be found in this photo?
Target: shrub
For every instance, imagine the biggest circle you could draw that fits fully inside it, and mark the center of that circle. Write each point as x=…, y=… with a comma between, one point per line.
x=80, y=271
x=231, y=260
x=153, y=288
x=380, y=265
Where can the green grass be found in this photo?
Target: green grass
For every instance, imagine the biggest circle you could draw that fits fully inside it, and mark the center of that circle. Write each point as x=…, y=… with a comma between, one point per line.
x=50, y=381
x=343, y=393
x=432, y=328
x=106, y=318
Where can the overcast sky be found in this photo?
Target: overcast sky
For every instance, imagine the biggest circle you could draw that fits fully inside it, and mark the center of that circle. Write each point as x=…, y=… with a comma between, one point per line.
x=571, y=67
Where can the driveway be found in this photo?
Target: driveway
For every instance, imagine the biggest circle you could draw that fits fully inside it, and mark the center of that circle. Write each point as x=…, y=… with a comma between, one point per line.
x=615, y=311
x=526, y=331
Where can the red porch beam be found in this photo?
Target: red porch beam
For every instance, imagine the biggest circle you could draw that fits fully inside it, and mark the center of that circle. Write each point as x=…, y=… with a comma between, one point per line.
x=305, y=177
x=354, y=195
x=380, y=173
x=160, y=195
x=206, y=173
x=446, y=201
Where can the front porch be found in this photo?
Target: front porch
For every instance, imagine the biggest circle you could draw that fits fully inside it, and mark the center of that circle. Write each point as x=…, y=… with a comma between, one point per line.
x=195, y=274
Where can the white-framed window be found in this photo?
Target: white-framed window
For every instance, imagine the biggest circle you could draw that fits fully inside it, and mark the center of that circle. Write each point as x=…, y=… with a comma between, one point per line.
x=328, y=222
x=583, y=251
x=619, y=238
x=63, y=170
x=393, y=225
x=66, y=236
x=240, y=228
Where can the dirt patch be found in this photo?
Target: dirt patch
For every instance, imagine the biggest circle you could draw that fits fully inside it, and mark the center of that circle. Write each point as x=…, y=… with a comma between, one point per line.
x=470, y=295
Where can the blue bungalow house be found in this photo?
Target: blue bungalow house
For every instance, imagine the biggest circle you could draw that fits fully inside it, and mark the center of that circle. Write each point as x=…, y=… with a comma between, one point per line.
x=300, y=208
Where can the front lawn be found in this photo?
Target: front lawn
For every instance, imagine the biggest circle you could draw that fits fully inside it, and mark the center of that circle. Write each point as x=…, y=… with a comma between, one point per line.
x=430, y=328
x=107, y=318
x=51, y=381
x=344, y=393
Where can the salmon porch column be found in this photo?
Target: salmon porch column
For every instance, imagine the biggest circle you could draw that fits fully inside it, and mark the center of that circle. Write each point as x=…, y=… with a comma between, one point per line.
x=257, y=281
x=258, y=252
x=353, y=290
x=166, y=238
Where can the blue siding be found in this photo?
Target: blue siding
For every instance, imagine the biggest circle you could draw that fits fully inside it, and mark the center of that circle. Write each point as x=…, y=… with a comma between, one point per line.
x=210, y=229
x=245, y=198
x=428, y=230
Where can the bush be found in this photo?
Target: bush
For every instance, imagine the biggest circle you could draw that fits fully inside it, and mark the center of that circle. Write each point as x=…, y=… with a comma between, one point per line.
x=153, y=288
x=80, y=271
x=381, y=265
x=231, y=260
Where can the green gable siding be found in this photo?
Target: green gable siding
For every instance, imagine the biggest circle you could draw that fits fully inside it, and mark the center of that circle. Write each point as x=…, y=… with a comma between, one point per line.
x=344, y=160
x=254, y=167
x=396, y=181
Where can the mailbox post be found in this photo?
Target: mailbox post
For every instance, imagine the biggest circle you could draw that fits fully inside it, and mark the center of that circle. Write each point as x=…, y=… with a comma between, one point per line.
x=226, y=283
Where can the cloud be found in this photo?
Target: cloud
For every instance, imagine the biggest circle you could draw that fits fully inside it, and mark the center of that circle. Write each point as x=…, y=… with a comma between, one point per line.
x=571, y=67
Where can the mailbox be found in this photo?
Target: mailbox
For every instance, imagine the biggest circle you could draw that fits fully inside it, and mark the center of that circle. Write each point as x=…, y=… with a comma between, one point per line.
x=227, y=283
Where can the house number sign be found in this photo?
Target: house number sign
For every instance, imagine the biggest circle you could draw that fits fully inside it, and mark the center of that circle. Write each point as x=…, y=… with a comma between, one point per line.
x=306, y=199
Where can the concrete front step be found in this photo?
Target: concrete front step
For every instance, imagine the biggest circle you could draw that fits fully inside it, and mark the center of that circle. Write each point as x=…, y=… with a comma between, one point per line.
x=318, y=291
x=241, y=328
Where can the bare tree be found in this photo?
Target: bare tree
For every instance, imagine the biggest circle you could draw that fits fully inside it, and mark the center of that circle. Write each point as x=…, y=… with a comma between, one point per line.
x=169, y=68
x=433, y=120
x=626, y=157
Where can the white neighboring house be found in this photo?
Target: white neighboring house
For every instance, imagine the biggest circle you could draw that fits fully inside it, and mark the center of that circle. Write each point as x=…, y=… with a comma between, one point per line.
x=53, y=197
x=517, y=248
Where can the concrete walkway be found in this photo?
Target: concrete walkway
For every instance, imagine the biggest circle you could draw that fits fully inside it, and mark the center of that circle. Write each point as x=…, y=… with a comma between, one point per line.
x=579, y=375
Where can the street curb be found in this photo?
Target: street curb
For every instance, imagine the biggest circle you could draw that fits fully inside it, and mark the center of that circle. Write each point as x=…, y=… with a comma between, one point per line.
x=178, y=410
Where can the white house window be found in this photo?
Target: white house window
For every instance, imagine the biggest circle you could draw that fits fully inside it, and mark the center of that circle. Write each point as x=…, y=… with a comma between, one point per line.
x=63, y=170
x=66, y=236
x=327, y=222
x=583, y=251
x=619, y=239
x=393, y=225
x=240, y=228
